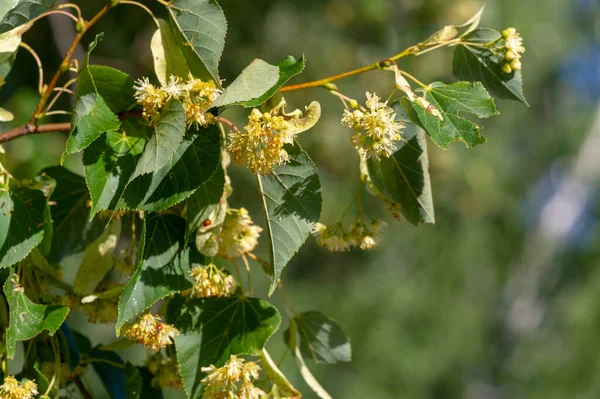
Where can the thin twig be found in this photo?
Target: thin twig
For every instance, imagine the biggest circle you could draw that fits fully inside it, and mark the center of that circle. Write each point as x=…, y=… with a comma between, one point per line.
x=64, y=65
x=248, y=274
x=38, y=61
x=228, y=123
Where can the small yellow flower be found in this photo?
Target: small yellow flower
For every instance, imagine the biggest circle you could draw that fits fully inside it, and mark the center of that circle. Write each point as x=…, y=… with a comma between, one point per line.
x=376, y=130
x=238, y=235
x=12, y=389
x=209, y=281
x=195, y=95
x=221, y=382
x=364, y=236
x=260, y=144
x=332, y=238
x=513, y=44
x=150, y=97
x=151, y=333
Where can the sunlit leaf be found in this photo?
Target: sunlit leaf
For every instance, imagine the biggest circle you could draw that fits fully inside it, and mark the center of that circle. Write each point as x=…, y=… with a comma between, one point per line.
x=91, y=115
x=258, y=82
x=480, y=64
x=202, y=26
x=193, y=163
x=16, y=13
x=161, y=147
x=292, y=201
x=213, y=329
x=162, y=270
x=98, y=259
x=452, y=101
x=21, y=223
x=108, y=163
x=404, y=177
x=28, y=319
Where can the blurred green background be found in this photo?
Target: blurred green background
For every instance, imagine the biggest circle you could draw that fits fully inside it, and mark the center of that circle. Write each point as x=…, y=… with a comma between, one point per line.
x=501, y=298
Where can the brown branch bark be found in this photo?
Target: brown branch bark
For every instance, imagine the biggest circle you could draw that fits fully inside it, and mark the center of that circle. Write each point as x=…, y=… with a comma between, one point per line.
x=33, y=129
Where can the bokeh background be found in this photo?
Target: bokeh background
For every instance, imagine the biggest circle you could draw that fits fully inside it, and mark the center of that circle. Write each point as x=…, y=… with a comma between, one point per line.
x=499, y=299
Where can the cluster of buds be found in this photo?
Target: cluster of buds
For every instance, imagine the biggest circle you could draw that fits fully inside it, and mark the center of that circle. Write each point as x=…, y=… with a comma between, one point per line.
x=513, y=44
x=360, y=235
x=238, y=235
x=195, y=95
x=12, y=389
x=376, y=131
x=209, y=282
x=101, y=310
x=260, y=144
x=234, y=380
x=166, y=372
x=151, y=333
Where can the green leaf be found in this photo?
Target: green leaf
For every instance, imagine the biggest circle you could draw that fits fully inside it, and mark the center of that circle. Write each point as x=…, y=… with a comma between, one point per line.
x=258, y=82
x=169, y=58
x=98, y=259
x=194, y=162
x=91, y=115
x=204, y=203
x=161, y=147
x=6, y=6
x=73, y=231
x=15, y=13
x=213, y=329
x=9, y=44
x=162, y=270
x=28, y=319
x=321, y=338
x=108, y=163
x=6, y=67
x=21, y=223
x=114, y=86
x=404, y=177
x=474, y=63
x=133, y=381
x=450, y=100
x=201, y=27
x=292, y=203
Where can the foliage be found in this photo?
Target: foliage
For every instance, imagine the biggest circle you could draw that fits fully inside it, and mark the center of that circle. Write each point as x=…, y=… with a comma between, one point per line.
x=153, y=204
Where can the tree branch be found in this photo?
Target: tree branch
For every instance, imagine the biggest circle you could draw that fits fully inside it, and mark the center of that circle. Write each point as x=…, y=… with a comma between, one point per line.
x=33, y=129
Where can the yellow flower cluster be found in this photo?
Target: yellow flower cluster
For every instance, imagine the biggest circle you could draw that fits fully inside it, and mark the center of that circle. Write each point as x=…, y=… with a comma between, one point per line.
x=376, y=131
x=235, y=380
x=238, y=235
x=195, y=95
x=151, y=333
x=101, y=310
x=260, y=144
x=335, y=239
x=513, y=43
x=166, y=372
x=209, y=281
x=12, y=389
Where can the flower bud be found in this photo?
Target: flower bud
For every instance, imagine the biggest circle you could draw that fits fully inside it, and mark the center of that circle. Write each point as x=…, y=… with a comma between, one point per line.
x=353, y=104
x=508, y=31
x=506, y=68
x=515, y=65
x=510, y=55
